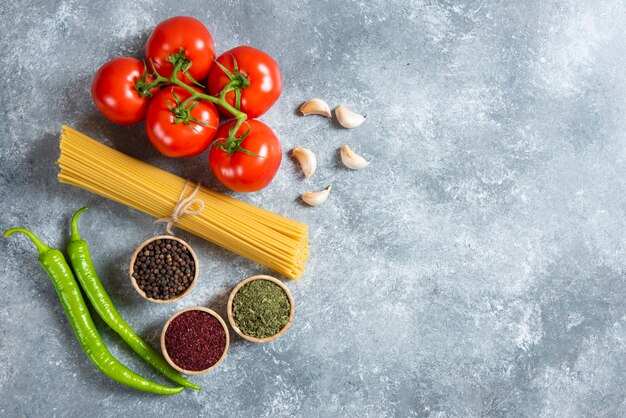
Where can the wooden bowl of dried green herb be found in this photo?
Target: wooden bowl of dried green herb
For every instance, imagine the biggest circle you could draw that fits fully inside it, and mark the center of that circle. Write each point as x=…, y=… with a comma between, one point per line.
x=260, y=308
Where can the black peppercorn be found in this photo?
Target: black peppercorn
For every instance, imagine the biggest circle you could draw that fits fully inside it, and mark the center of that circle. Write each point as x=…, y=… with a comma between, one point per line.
x=164, y=269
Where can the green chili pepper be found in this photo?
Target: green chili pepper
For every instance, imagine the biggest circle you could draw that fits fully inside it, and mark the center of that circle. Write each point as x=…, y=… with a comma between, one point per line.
x=53, y=262
x=85, y=272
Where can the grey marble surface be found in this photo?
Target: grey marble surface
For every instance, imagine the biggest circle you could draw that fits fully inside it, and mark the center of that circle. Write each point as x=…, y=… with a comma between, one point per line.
x=476, y=268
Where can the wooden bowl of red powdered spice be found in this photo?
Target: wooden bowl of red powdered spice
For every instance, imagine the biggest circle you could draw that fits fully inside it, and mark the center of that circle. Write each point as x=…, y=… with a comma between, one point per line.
x=195, y=340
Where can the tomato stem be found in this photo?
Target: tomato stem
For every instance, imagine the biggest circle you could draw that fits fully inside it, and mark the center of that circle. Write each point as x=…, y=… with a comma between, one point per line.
x=181, y=111
x=221, y=101
x=238, y=81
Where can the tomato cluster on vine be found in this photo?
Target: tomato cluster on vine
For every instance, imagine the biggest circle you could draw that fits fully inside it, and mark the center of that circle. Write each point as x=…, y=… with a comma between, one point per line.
x=182, y=89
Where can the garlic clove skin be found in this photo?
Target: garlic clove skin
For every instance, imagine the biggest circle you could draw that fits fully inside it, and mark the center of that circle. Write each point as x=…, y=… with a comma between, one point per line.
x=351, y=159
x=316, y=107
x=347, y=118
x=306, y=159
x=316, y=198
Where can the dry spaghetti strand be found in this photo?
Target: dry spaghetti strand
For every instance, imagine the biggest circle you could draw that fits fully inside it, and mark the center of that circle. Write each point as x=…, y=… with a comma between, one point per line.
x=269, y=239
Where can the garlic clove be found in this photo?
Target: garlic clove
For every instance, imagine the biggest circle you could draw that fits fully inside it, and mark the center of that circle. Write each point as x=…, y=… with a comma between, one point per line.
x=347, y=118
x=306, y=159
x=351, y=159
x=316, y=198
x=316, y=107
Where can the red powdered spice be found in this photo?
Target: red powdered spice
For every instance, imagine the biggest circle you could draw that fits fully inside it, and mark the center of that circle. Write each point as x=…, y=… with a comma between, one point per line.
x=195, y=340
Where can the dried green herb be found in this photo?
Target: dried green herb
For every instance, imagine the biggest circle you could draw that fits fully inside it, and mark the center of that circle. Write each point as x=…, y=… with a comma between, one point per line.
x=261, y=308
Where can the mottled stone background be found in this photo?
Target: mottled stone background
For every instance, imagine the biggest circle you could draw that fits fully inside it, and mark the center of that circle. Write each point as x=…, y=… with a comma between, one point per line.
x=476, y=268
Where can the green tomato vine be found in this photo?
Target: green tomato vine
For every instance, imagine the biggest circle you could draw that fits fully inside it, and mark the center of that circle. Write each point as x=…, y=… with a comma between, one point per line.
x=182, y=109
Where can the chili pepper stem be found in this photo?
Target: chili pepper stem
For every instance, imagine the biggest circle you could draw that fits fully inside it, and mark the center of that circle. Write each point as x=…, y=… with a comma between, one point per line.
x=75, y=236
x=39, y=244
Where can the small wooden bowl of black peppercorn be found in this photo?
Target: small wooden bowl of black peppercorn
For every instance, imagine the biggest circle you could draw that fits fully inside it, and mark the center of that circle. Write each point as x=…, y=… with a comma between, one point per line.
x=164, y=269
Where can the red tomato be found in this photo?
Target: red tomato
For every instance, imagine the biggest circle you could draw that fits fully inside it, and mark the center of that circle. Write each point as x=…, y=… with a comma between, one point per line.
x=180, y=139
x=183, y=32
x=243, y=172
x=261, y=70
x=113, y=91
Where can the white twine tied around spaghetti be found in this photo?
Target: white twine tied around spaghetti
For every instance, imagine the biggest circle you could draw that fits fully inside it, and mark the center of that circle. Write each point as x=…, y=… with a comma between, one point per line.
x=183, y=207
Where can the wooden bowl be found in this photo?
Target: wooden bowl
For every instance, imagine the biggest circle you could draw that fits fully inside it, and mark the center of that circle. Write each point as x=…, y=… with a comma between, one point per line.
x=132, y=269
x=229, y=308
x=169, y=321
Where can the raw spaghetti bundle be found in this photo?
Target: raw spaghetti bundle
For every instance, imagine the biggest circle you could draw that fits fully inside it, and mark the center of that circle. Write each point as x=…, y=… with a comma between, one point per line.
x=274, y=241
